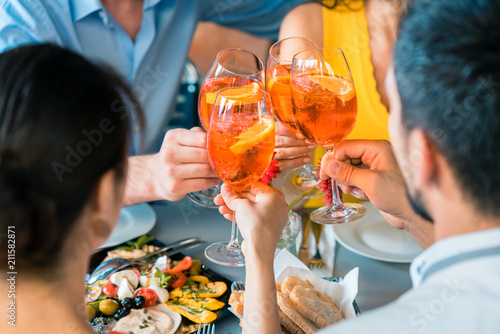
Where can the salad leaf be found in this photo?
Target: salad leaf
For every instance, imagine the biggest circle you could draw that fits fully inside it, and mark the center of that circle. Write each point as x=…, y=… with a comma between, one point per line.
x=164, y=278
x=144, y=240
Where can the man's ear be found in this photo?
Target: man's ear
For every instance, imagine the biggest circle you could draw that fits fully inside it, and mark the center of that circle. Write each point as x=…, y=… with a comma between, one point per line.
x=105, y=205
x=423, y=157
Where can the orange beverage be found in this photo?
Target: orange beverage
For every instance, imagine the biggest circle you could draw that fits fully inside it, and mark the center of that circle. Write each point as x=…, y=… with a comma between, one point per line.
x=208, y=94
x=325, y=108
x=278, y=85
x=241, y=144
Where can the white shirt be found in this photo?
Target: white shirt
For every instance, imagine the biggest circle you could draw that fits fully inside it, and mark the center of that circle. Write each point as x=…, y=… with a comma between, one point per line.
x=456, y=289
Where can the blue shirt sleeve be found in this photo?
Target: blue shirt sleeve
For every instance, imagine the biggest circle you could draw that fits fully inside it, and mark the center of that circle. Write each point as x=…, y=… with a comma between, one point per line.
x=27, y=22
x=258, y=17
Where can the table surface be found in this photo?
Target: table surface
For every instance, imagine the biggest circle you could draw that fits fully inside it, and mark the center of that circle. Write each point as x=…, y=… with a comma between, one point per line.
x=379, y=282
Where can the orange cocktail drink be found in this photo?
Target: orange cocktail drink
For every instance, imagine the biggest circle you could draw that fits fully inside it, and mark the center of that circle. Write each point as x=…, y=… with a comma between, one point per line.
x=278, y=85
x=241, y=137
x=325, y=108
x=211, y=87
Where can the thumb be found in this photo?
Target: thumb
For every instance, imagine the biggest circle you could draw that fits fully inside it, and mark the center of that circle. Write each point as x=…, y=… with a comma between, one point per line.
x=231, y=199
x=348, y=174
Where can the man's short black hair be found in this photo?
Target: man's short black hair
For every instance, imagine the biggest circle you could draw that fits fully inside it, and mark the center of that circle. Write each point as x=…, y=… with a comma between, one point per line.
x=447, y=64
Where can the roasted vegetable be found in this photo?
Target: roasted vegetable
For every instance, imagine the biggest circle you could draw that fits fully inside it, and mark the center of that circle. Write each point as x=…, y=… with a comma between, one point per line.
x=181, y=279
x=199, y=279
x=204, y=303
x=185, y=264
x=212, y=289
x=195, y=314
x=195, y=269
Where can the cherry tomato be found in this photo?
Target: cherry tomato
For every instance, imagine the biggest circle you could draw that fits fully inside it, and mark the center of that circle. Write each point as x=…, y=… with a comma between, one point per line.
x=185, y=264
x=181, y=280
x=138, y=273
x=110, y=290
x=149, y=295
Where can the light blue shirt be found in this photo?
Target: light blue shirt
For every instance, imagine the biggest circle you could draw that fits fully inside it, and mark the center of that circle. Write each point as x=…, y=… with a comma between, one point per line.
x=152, y=64
x=456, y=289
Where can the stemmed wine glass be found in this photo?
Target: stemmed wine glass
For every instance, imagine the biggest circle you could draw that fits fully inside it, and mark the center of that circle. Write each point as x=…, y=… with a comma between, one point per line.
x=279, y=64
x=241, y=142
x=325, y=108
x=231, y=68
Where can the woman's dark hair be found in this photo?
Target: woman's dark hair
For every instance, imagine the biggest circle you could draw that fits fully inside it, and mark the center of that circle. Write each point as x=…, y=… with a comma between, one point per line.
x=447, y=64
x=64, y=122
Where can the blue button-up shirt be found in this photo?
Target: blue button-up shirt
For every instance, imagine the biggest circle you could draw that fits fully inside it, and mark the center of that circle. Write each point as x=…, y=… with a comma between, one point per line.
x=456, y=289
x=153, y=63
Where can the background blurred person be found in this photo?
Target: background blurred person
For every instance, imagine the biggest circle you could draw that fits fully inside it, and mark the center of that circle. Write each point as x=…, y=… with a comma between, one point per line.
x=146, y=42
x=49, y=99
x=446, y=61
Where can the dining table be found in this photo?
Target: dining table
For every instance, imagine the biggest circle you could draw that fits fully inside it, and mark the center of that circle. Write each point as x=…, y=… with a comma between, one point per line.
x=379, y=282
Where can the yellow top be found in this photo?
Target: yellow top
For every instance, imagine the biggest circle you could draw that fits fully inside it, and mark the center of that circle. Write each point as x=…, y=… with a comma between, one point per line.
x=347, y=29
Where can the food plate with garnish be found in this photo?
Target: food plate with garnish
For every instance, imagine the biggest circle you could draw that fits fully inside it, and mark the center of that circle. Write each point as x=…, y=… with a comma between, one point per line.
x=172, y=294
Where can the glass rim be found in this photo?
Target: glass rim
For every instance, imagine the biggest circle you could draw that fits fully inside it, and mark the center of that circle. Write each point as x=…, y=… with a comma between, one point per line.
x=339, y=51
x=288, y=38
x=261, y=64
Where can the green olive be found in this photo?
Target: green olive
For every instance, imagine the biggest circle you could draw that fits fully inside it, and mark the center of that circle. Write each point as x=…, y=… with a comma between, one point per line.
x=90, y=312
x=109, y=306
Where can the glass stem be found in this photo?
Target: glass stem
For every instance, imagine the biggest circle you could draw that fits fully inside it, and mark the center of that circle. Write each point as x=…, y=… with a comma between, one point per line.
x=234, y=243
x=336, y=199
x=307, y=169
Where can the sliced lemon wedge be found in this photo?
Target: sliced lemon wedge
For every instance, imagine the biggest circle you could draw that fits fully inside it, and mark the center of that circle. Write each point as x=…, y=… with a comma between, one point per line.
x=341, y=87
x=255, y=134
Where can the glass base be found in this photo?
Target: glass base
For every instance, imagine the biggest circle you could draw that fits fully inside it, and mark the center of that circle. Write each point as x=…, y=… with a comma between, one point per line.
x=348, y=212
x=220, y=253
x=205, y=198
x=297, y=181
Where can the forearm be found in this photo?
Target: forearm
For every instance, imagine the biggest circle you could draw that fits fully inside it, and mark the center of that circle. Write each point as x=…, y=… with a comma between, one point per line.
x=261, y=308
x=141, y=185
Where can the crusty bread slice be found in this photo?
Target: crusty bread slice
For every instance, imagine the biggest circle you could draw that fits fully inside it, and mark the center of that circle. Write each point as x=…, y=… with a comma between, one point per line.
x=292, y=281
x=313, y=307
x=289, y=325
x=287, y=308
x=236, y=300
x=327, y=299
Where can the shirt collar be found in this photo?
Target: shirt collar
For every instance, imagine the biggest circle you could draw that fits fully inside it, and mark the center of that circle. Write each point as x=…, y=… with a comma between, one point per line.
x=150, y=3
x=83, y=8
x=451, y=246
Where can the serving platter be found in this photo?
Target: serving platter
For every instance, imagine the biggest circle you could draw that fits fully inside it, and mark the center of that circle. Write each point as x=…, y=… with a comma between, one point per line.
x=213, y=276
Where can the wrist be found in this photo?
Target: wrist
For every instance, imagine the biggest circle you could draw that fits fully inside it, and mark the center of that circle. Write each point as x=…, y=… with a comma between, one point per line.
x=258, y=255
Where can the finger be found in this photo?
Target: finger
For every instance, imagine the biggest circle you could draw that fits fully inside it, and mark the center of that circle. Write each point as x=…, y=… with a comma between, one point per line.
x=225, y=210
x=191, y=171
x=231, y=199
x=293, y=163
x=346, y=174
x=186, y=137
x=197, y=129
x=185, y=154
x=218, y=200
x=365, y=150
x=188, y=186
x=291, y=152
x=284, y=141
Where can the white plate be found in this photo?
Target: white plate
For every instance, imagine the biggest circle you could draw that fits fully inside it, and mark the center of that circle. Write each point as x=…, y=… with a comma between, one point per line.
x=373, y=237
x=134, y=221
